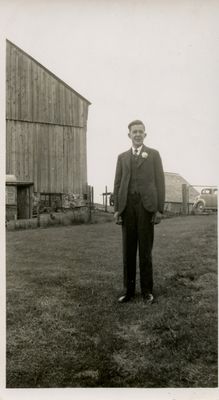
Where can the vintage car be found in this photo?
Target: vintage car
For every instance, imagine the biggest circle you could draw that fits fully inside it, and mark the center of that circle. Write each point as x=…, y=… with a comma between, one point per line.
x=207, y=200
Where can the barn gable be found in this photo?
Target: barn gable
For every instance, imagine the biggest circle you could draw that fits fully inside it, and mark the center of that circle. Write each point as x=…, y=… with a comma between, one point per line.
x=35, y=94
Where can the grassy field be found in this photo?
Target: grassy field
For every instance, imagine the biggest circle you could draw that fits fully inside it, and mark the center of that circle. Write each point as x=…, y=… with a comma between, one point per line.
x=65, y=327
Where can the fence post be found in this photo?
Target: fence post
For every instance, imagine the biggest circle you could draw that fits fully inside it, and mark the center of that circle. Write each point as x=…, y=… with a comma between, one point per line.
x=92, y=197
x=90, y=202
x=106, y=199
x=38, y=210
x=188, y=197
x=184, y=198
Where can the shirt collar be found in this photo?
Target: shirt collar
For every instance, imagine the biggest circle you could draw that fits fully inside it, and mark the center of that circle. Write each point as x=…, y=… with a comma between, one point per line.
x=139, y=150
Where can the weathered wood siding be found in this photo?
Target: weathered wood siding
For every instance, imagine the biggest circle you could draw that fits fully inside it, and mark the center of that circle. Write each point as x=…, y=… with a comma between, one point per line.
x=35, y=94
x=46, y=123
x=54, y=158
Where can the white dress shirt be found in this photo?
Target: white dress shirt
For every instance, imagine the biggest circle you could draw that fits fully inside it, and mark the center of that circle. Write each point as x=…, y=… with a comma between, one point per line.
x=138, y=149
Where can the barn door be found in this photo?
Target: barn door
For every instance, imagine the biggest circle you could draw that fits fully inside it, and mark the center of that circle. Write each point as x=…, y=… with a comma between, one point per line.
x=23, y=202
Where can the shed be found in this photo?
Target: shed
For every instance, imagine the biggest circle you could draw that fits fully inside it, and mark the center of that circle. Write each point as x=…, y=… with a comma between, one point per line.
x=46, y=127
x=19, y=198
x=173, y=186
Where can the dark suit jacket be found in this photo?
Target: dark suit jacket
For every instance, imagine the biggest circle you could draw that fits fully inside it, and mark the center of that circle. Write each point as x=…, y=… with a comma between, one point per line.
x=151, y=179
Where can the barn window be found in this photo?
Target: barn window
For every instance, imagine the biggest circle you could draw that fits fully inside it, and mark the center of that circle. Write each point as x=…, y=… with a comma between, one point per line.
x=45, y=199
x=48, y=200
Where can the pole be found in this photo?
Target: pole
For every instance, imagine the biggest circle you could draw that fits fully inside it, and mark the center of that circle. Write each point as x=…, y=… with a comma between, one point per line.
x=38, y=216
x=184, y=198
x=106, y=199
x=38, y=210
x=92, y=196
x=90, y=204
x=188, y=208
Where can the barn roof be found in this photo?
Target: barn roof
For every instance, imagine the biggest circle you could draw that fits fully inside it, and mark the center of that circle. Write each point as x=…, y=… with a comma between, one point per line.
x=49, y=72
x=173, y=185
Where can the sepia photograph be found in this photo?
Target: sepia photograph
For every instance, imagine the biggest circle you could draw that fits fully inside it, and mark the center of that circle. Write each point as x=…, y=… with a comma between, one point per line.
x=109, y=120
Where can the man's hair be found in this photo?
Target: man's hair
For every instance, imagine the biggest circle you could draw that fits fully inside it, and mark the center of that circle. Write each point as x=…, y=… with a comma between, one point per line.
x=136, y=122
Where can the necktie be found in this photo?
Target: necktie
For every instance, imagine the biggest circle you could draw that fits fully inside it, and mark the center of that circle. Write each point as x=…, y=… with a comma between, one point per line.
x=136, y=154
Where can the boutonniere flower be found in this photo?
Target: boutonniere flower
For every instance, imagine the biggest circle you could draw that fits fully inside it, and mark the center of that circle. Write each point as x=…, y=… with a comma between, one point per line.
x=144, y=154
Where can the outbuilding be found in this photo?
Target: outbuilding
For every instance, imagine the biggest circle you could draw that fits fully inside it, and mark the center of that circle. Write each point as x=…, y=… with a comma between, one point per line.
x=174, y=184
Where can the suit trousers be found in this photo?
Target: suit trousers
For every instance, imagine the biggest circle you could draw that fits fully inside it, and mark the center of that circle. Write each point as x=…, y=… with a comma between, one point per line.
x=137, y=233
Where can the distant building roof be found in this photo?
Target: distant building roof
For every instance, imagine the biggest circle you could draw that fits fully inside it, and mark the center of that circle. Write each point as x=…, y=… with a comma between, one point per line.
x=173, y=185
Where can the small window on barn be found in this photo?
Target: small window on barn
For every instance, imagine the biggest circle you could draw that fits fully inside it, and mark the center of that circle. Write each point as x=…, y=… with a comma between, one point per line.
x=45, y=199
x=56, y=201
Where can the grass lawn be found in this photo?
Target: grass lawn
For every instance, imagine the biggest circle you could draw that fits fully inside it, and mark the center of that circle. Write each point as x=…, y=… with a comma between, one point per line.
x=65, y=327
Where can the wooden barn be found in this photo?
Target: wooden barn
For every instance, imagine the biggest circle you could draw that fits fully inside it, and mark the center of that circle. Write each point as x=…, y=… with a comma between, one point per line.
x=46, y=125
x=173, y=198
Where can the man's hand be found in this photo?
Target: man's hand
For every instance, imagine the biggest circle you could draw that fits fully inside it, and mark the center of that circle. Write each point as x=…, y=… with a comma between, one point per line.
x=117, y=218
x=157, y=217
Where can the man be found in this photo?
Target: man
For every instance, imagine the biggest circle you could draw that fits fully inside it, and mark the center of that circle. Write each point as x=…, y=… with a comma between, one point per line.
x=139, y=193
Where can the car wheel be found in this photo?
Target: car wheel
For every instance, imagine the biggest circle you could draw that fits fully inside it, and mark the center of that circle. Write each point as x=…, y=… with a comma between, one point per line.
x=200, y=207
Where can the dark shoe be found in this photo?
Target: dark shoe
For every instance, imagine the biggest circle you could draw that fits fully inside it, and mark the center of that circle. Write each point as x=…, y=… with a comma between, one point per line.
x=125, y=298
x=148, y=298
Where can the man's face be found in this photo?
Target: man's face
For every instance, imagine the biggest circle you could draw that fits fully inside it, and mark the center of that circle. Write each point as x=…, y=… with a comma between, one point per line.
x=137, y=135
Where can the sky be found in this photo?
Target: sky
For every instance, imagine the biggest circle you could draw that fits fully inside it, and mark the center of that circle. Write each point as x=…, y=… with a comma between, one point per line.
x=157, y=61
